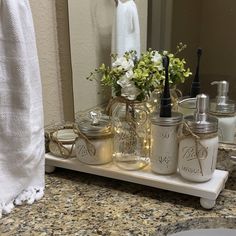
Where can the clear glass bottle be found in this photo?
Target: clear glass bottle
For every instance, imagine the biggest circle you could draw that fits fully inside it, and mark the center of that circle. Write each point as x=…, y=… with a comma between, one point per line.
x=131, y=135
x=155, y=99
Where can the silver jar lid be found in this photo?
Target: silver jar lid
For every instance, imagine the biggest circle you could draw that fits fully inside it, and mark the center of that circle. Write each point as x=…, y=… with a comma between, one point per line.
x=205, y=126
x=201, y=122
x=222, y=105
x=222, y=108
x=188, y=103
x=175, y=119
x=96, y=126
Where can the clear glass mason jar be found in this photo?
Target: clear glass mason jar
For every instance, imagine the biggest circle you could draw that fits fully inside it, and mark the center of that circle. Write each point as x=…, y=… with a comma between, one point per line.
x=131, y=135
x=155, y=99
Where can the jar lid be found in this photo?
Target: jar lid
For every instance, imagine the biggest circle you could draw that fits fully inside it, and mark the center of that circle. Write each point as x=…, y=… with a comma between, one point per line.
x=188, y=103
x=201, y=121
x=95, y=126
x=175, y=119
x=222, y=105
x=204, y=126
x=66, y=136
x=222, y=108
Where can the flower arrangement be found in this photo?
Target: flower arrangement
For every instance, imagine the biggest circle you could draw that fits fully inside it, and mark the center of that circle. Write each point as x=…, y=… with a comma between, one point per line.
x=136, y=78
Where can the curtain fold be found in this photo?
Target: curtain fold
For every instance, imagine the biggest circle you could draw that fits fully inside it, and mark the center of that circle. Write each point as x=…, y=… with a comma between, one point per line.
x=21, y=109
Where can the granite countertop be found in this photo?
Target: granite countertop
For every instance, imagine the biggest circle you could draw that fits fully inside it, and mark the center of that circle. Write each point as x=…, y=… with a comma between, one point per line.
x=82, y=204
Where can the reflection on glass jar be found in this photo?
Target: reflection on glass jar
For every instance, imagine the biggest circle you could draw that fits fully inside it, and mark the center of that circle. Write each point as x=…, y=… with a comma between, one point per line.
x=131, y=135
x=187, y=106
x=155, y=99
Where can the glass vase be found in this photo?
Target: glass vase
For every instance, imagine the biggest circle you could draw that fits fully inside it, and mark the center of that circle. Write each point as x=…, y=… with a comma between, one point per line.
x=131, y=135
x=155, y=99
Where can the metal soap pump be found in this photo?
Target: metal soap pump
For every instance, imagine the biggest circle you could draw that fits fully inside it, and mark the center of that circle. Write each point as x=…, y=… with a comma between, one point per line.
x=164, y=148
x=224, y=110
x=198, y=143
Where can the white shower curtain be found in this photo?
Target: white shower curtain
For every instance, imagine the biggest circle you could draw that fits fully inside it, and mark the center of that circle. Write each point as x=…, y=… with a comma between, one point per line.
x=21, y=111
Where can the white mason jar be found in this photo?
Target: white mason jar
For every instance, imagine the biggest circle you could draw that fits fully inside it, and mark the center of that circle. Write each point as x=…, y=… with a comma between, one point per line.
x=164, y=143
x=94, y=146
x=198, y=147
x=226, y=129
x=194, y=163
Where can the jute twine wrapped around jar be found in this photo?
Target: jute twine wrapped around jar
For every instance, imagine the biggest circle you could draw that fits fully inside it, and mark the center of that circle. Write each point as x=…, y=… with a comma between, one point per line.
x=65, y=151
x=186, y=132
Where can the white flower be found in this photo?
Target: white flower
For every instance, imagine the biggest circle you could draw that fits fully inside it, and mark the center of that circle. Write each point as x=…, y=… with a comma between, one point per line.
x=165, y=53
x=157, y=58
x=123, y=63
x=130, y=91
x=129, y=74
x=123, y=81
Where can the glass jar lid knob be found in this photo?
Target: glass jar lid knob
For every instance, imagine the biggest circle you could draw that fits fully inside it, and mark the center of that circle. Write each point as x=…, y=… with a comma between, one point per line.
x=95, y=117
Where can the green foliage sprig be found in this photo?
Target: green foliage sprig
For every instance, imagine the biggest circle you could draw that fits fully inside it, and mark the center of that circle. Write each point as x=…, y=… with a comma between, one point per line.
x=136, y=78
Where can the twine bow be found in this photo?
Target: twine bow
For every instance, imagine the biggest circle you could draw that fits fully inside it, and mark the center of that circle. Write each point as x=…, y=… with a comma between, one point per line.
x=129, y=105
x=184, y=132
x=65, y=151
x=90, y=147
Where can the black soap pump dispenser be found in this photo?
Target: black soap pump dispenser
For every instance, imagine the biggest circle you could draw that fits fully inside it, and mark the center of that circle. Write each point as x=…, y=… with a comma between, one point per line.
x=195, y=87
x=164, y=151
x=165, y=110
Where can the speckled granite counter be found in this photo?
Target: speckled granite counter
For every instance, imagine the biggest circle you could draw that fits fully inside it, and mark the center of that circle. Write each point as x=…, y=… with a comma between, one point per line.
x=82, y=204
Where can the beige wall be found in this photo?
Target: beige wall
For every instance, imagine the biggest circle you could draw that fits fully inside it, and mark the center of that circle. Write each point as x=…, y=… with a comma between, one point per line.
x=51, y=26
x=90, y=30
x=52, y=31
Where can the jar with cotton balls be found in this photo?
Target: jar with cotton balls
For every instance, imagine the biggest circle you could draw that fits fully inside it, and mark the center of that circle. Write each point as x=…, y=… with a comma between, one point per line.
x=94, y=145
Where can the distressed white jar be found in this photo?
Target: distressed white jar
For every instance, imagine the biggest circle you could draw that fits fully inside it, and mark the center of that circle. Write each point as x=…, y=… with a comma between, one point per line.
x=198, y=167
x=164, y=143
x=95, y=147
x=198, y=145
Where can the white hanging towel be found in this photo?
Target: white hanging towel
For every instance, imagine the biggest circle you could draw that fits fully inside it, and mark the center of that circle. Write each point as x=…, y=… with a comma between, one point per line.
x=126, y=30
x=21, y=110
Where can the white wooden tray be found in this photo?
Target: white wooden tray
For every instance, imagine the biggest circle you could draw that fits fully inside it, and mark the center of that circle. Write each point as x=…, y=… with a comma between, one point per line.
x=208, y=191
